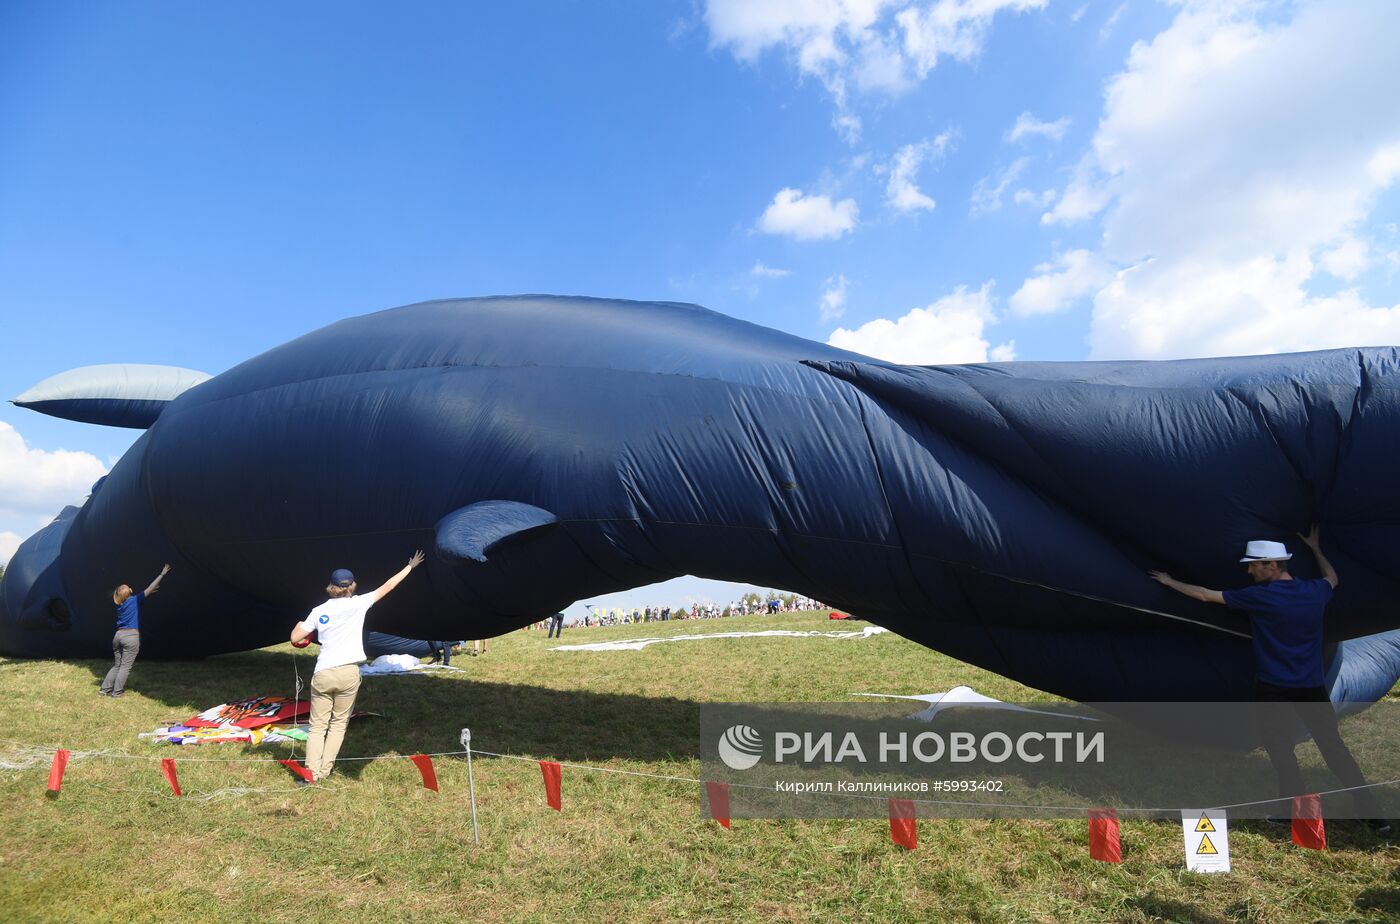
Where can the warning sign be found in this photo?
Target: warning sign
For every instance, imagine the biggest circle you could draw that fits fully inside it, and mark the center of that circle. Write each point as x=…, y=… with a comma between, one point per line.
x=1207, y=840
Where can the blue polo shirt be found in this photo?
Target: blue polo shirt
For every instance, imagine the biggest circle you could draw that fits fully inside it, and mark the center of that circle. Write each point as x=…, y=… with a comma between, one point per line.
x=128, y=613
x=1286, y=617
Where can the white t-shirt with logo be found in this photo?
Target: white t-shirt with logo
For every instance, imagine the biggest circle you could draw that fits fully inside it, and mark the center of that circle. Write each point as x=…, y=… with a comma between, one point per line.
x=339, y=624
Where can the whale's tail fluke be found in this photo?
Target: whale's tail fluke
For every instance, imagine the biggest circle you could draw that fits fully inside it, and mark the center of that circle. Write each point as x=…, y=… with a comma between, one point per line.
x=131, y=396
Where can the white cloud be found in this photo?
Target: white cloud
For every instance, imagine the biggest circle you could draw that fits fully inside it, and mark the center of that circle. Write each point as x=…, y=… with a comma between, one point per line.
x=808, y=218
x=8, y=543
x=768, y=272
x=1236, y=160
x=36, y=483
x=1080, y=273
x=1254, y=306
x=1039, y=200
x=847, y=126
x=951, y=330
x=986, y=194
x=1003, y=353
x=1348, y=259
x=1083, y=198
x=902, y=193
x=881, y=46
x=957, y=28
x=1107, y=28
x=1028, y=126
x=833, y=299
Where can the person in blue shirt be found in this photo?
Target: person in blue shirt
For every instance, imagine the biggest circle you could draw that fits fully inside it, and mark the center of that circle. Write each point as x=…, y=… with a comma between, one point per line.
x=1285, y=615
x=127, y=642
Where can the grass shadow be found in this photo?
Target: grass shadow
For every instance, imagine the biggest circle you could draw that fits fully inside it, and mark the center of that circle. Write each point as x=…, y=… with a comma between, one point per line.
x=425, y=713
x=1382, y=898
x=1157, y=908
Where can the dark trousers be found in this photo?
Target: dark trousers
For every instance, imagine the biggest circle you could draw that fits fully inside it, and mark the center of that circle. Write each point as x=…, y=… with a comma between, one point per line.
x=556, y=626
x=1276, y=727
x=125, y=646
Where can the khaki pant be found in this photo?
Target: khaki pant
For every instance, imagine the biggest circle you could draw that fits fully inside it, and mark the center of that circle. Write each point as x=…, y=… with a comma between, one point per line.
x=332, y=699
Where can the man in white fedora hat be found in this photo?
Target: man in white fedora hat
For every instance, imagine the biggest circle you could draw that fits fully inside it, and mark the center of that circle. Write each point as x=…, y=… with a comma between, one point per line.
x=1285, y=615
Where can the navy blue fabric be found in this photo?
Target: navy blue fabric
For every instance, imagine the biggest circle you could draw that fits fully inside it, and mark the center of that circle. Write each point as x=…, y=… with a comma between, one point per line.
x=378, y=644
x=470, y=533
x=1287, y=619
x=1005, y=514
x=132, y=414
x=129, y=611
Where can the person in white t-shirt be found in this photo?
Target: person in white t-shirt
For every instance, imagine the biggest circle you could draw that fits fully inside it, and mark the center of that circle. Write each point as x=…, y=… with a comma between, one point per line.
x=339, y=624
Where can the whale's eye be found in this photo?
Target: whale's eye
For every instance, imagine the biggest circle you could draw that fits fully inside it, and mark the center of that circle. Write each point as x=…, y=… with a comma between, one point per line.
x=59, y=614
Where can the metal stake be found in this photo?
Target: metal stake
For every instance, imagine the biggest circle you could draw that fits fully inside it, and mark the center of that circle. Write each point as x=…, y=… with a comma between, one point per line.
x=471, y=782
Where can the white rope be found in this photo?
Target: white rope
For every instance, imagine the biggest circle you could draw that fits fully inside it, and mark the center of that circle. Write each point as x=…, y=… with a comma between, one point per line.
x=33, y=756
x=45, y=754
x=943, y=802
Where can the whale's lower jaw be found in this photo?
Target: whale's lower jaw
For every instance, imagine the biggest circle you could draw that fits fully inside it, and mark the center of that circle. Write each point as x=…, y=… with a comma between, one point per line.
x=36, y=617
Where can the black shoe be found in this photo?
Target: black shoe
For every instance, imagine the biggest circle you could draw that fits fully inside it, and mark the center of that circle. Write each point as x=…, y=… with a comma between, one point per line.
x=116, y=694
x=1380, y=827
x=303, y=781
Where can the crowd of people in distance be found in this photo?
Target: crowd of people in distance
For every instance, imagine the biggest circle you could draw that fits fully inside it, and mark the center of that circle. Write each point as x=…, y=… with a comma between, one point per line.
x=596, y=617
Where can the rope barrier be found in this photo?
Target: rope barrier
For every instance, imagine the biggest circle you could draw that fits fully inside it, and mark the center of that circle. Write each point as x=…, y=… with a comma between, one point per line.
x=941, y=802
x=32, y=756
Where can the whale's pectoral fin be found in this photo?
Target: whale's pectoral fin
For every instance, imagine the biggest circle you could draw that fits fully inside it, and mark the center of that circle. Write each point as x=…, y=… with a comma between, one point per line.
x=471, y=532
x=130, y=395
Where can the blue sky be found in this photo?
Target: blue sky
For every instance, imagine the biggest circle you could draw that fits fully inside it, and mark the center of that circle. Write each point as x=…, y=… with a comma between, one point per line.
x=923, y=180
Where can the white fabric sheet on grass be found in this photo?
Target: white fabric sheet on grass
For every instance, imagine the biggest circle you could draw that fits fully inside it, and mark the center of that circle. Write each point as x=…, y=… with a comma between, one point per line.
x=637, y=644
x=399, y=664
x=962, y=696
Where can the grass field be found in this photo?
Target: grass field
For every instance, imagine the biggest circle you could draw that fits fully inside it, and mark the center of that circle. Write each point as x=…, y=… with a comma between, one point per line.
x=372, y=845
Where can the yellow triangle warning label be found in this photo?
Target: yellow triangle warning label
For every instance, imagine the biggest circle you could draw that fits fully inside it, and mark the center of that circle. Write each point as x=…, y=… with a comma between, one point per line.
x=1204, y=824
x=1206, y=848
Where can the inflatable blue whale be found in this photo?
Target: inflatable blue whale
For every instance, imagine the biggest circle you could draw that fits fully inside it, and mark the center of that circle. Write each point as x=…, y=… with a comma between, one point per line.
x=550, y=449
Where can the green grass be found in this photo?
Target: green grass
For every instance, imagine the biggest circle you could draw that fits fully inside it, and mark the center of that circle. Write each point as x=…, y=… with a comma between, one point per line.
x=372, y=845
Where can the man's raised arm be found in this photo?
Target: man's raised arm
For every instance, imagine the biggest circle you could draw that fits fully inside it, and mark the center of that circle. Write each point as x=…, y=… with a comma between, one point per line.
x=1329, y=574
x=388, y=586
x=1194, y=591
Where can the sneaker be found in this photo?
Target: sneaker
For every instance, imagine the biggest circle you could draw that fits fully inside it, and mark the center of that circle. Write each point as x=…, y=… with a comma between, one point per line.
x=116, y=694
x=303, y=781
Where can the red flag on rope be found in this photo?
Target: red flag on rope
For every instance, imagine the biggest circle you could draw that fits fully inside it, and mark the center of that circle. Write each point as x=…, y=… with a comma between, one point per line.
x=1307, y=822
x=552, y=772
x=1103, y=836
x=717, y=794
x=424, y=763
x=167, y=766
x=298, y=769
x=904, y=829
x=60, y=763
